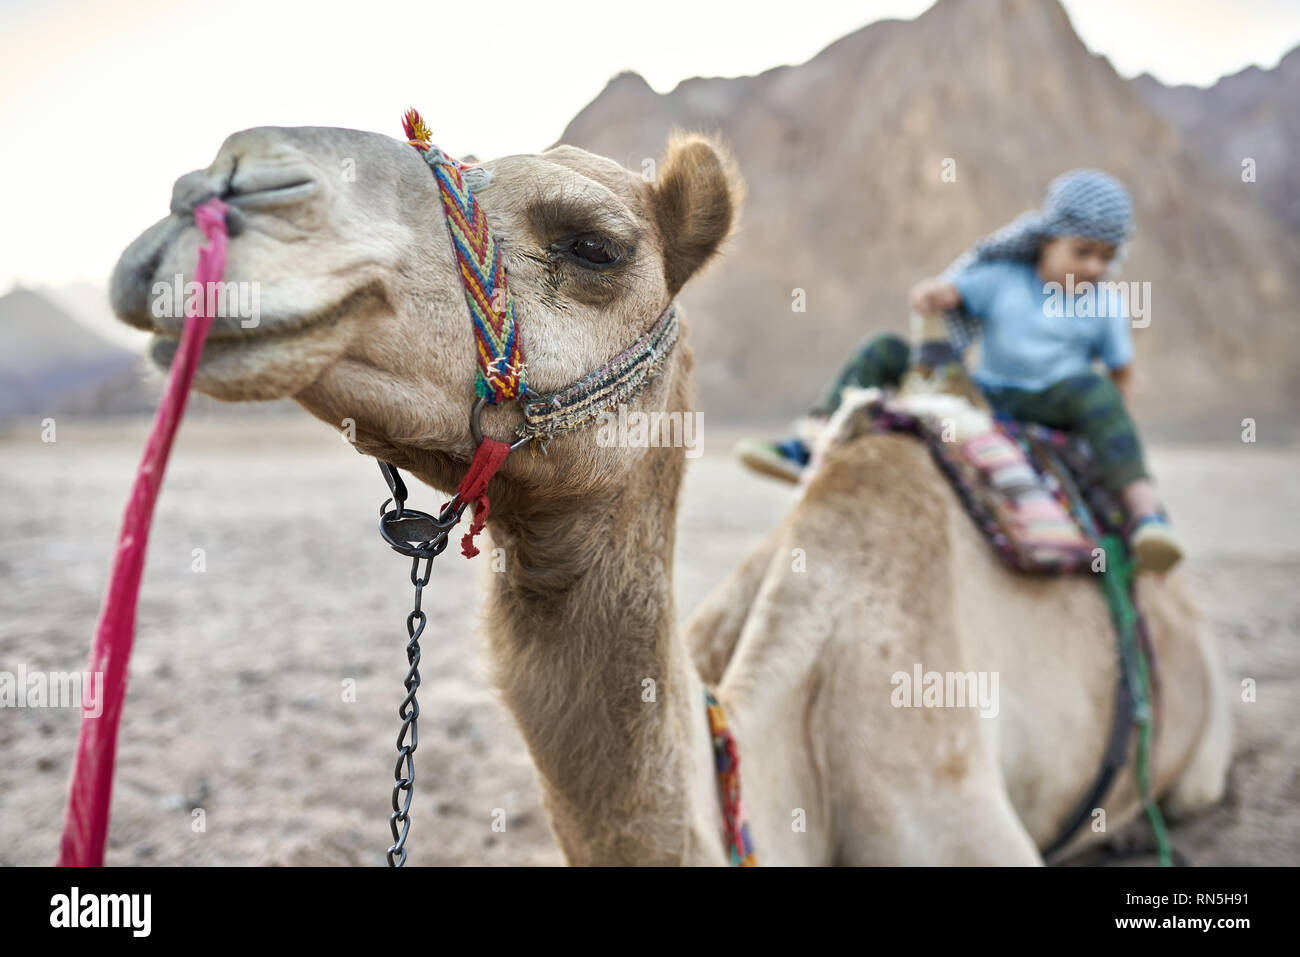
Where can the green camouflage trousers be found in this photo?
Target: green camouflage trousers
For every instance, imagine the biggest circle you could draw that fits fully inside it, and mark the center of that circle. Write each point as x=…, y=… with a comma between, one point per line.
x=1089, y=404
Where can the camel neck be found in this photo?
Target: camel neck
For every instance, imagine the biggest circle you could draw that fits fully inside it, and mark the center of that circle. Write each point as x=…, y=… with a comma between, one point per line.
x=586, y=651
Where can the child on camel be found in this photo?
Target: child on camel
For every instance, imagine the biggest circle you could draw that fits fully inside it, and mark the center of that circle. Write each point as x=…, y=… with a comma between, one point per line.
x=1036, y=360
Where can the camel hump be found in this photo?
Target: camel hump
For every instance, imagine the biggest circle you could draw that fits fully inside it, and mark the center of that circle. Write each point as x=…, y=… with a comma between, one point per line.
x=885, y=484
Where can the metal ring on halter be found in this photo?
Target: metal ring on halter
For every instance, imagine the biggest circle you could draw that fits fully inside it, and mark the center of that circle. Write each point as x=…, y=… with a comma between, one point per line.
x=476, y=430
x=431, y=532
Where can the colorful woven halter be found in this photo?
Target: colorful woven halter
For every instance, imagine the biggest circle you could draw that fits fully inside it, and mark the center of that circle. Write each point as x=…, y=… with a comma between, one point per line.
x=492, y=308
x=478, y=256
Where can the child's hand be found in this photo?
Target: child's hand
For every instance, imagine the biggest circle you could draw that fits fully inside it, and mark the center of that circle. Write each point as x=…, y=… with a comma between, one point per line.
x=934, y=295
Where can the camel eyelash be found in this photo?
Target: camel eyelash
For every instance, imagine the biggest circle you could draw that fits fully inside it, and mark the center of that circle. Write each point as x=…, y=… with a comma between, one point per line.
x=590, y=250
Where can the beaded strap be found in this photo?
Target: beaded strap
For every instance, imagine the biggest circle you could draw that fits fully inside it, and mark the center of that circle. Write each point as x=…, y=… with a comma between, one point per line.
x=620, y=378
x=740, y=845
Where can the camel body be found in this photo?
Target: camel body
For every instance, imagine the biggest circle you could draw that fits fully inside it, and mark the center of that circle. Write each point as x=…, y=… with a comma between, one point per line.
x=877, y=571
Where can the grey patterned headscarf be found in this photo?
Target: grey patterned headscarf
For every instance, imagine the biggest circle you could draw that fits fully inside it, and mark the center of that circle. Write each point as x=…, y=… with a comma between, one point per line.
x=1081, y=202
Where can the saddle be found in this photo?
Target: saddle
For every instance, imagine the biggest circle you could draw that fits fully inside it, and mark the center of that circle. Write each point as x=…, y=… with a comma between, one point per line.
x=1034, y=491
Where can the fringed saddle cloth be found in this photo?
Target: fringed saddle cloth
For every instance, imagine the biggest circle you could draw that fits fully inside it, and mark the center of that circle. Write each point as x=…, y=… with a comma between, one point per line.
x=1034, y=491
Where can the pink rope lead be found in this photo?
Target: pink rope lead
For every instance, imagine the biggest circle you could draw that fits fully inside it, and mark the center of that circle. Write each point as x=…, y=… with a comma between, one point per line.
x=85, y=828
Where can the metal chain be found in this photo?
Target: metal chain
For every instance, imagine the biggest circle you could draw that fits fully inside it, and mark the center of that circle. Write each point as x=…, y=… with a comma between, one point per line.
x=409, y=712
x=431, y=535
x=422, y=538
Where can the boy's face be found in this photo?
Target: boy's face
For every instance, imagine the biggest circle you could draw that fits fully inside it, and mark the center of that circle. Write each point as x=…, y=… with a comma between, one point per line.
x=1086, y=258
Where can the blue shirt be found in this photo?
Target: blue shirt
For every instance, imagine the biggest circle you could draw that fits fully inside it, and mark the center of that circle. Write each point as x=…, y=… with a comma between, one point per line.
x=1032, y=339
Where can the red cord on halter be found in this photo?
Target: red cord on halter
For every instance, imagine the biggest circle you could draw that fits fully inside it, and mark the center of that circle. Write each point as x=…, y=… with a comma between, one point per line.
x=85, y=827
x=473, y=487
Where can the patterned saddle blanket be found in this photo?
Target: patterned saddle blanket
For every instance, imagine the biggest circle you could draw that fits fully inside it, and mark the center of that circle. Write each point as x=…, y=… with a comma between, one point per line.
x=1034, y=491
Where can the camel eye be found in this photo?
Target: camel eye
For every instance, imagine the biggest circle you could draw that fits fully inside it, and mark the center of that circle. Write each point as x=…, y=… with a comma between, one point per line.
x=590, y=250
x=593, y=251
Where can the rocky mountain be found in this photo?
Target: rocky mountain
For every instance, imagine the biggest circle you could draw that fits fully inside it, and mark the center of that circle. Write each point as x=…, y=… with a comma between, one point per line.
x=50, y=363
x=848, y=204
x=844, y=157
x=1243, y=116
x=53, y=361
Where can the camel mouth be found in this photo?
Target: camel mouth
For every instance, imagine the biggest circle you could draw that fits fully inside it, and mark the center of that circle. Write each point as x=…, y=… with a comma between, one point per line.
x=282, y=195
x=243, y=323
x=237, y=326
x=224, y=342
x=255, y=186
x=233, y=349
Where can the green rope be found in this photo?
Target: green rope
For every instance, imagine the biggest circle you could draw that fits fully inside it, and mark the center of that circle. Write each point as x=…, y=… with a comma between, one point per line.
x=1116, y=582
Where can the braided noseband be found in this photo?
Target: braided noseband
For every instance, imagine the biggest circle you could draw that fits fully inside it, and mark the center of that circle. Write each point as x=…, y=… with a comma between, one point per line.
x=622, y=376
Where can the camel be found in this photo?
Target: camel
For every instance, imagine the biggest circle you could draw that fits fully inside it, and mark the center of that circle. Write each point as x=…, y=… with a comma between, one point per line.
x=363, y=319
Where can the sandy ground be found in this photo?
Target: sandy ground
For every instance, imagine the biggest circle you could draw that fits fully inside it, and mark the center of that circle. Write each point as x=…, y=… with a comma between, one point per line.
x=236, y=702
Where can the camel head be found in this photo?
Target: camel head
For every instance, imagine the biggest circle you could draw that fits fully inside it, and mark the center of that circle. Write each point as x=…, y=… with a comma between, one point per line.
x=338, y=238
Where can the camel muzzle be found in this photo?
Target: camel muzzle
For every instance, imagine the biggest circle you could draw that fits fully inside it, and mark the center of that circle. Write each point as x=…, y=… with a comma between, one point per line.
x=245, y=188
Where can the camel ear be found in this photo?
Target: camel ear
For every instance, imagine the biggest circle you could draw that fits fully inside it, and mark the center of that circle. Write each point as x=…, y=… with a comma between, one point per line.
x=696, y=203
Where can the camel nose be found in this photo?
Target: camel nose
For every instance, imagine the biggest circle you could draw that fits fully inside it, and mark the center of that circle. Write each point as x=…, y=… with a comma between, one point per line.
x=194, y=189
x=244, y=186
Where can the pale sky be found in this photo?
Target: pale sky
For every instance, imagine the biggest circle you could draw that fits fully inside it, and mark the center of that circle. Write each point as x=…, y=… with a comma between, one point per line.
x=103, y=105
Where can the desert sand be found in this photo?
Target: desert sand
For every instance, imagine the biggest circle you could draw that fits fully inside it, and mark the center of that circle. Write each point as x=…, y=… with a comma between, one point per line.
x=236, y=703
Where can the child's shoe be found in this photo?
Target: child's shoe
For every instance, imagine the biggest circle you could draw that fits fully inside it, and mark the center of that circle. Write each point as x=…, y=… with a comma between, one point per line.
x=1153, y=543
x=784, y=459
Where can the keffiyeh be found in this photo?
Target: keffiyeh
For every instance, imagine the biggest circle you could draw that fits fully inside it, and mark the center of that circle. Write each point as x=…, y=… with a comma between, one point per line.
x=1081, y=202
